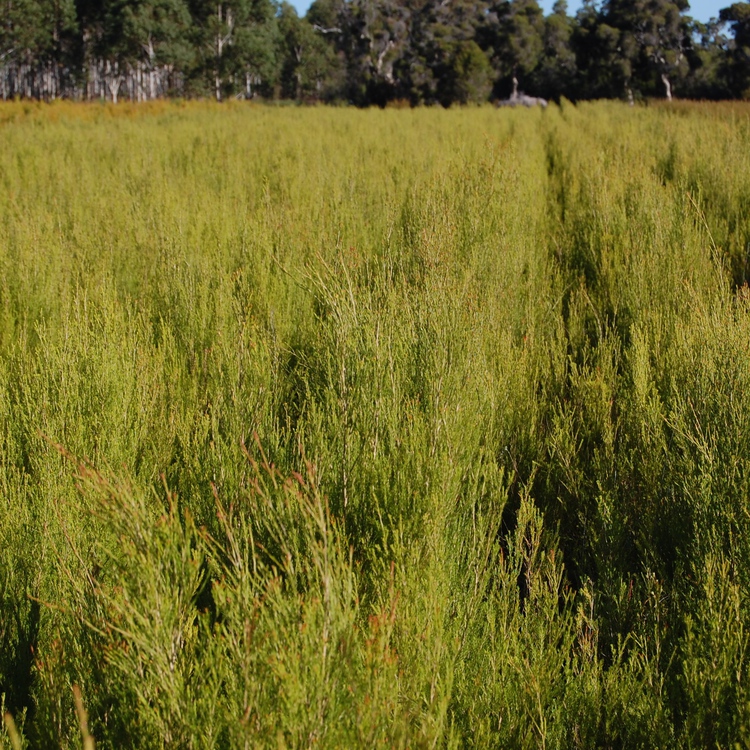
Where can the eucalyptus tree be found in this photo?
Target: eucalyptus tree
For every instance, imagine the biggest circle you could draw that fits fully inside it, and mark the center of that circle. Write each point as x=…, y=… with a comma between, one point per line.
x=372, y=41
x=236, y=43
x=325, y=19
x=37, y=47
x=310, y=67
x=738, y=17
x=556, y=74
x=444, y=61
x=626, y=47
x=156, y=35
x=105, y=48
x=653, y=36
x=516, y=29
x=603, y=59
x=255, y=54
x=373, y=35
x=709, y=57
x=324, y=16
x=469, y=76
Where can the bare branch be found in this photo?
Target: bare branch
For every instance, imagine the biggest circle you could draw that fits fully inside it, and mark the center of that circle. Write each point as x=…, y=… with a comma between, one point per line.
x=322, y=30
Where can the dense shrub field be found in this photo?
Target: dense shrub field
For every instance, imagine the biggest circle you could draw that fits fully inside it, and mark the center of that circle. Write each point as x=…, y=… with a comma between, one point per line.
x=374, y=428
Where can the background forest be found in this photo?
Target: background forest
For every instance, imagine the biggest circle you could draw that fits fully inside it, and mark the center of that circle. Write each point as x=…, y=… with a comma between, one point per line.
x=369, y=51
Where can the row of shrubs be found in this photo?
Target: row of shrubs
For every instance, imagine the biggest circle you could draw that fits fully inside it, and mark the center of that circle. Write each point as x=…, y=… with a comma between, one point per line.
x=375, y=428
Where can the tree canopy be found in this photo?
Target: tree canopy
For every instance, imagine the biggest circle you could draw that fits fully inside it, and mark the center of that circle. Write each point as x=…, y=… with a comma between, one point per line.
x=370, y=51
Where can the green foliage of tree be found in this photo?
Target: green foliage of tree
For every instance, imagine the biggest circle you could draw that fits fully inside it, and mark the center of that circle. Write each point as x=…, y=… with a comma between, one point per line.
x=738, y=16
x=39, y=33
x=556, y=74
x=635, y=48
x=236, y=43
x=444, y=39
x=517, y=38
x=653, y=36
x=311, y=69
x=374, y=35
x=708, y=59
x=137, y=33
x=470, y=76
x=158, y=31
x=370, y=51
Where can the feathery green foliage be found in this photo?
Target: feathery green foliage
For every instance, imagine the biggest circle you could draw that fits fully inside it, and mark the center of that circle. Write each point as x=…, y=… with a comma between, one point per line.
x=400, y=428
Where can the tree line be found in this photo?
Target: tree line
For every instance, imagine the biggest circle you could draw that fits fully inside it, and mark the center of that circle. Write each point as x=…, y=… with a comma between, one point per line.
x=369, y=51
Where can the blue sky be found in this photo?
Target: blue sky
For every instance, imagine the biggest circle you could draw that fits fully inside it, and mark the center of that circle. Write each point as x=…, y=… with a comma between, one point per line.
x=700, y=9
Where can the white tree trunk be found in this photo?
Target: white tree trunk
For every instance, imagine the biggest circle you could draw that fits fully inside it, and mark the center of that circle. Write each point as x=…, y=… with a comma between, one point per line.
x=667, y=86
x=113, y=80
x=219, y=50
x=151, y=52
x=221, y=41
